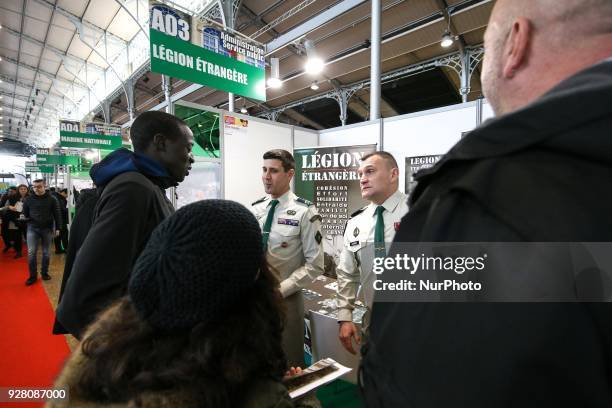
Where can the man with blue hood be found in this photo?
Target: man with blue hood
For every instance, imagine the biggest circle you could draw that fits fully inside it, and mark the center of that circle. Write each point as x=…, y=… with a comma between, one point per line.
x=132, y=202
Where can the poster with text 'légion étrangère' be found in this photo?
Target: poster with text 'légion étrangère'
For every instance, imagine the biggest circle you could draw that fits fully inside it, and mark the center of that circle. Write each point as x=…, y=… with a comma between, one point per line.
x=328, y=177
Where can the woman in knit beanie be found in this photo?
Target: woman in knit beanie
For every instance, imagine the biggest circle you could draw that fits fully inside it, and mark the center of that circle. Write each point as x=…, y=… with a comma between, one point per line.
x=200, y=327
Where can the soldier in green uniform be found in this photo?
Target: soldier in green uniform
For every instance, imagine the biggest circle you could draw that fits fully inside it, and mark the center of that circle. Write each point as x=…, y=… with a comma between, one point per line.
x=292, y=243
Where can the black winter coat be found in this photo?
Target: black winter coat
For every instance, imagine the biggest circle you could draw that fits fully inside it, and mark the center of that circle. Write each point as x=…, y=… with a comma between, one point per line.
x=128, y=210
x=81, y=224
x=42, y=211
x=540, y=174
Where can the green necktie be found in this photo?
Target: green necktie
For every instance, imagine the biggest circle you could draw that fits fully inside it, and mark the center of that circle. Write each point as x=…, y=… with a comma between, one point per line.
x=379, y=234
x=268, y=224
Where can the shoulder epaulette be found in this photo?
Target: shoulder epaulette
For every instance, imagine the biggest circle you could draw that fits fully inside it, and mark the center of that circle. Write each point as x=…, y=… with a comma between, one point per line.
x=359, y=211
x=304, y=201
x=261, y=200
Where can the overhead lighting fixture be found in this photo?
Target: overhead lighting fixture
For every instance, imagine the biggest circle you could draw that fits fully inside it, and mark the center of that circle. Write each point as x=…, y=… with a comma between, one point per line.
x=447, y=40
x=274, y=81
x=244, y=110
x=314, y=64
x=314, y=86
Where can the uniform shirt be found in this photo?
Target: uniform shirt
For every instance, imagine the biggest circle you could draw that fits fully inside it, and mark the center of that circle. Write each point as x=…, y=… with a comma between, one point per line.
x=357, y=256
x=294, y=248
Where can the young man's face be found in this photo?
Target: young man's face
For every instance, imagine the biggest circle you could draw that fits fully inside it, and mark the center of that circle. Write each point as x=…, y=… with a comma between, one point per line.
x=274, y=177
x=377, y=179
x=39, y=188
x=177, y=157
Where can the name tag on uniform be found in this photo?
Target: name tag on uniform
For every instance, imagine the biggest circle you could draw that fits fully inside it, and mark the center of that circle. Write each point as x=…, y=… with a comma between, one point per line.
x=354, y=243
x=288, y=221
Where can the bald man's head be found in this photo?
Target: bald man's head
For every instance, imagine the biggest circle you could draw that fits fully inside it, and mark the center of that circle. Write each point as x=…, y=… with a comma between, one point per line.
x=531, y=45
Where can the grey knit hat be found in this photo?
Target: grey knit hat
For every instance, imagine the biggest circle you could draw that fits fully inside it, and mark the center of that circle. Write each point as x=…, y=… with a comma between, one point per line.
x=197, y=264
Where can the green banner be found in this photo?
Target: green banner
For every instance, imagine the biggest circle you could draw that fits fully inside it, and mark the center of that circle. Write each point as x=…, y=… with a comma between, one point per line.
x=181, y=59
x=57, y=159
x=87, y=140
x=40, y=169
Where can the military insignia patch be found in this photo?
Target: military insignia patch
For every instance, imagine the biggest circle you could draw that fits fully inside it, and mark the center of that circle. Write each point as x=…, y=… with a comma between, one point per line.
x=356, y=232
x=290, y=212
x=318, y=237
x=315, y=217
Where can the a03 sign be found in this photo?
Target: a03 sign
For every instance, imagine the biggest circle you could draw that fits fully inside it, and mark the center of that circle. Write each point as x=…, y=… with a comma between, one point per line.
x=170, y=21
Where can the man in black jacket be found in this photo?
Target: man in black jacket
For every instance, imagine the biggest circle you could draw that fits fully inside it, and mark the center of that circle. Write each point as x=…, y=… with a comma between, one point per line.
x=539, y=172
x=61, y=242
x=132, y=202
x=42, y=214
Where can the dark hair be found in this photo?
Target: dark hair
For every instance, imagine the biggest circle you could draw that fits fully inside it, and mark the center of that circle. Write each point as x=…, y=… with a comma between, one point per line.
x=13, y=188
x=217, y=363
x=39, y=181
x=148, y=124
x=284, y=156
x=388, y=157
x=27, y=189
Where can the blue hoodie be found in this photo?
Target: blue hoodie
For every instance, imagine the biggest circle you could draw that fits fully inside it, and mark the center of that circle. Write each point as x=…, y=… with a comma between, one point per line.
x=121, y=161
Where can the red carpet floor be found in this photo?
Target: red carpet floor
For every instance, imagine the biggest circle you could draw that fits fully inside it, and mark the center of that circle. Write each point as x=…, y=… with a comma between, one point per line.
x=30, y=356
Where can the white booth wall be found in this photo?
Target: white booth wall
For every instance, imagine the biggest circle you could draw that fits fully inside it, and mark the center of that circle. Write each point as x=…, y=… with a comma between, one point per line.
x=487, y=110
x=305, y=137
x=431, y=132
x=357, y=134
x=242, y=156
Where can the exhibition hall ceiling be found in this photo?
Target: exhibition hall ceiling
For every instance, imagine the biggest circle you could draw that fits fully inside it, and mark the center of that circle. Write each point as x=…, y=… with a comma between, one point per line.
x=62, y=58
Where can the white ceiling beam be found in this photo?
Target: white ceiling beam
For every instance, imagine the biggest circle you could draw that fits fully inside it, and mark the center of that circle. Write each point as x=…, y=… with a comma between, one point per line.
x=45, y=73
x=55, y=50
x=87, y=23
x=303, y=29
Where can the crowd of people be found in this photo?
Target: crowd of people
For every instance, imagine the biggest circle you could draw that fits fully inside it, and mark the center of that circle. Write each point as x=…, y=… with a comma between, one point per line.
x=35, y=214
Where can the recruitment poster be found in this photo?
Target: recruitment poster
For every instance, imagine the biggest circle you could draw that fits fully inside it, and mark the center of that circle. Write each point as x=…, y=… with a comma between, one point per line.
x=416, y=164
x=328, y=177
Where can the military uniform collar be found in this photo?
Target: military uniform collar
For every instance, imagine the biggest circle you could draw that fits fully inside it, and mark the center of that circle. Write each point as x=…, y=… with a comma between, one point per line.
x=284, y=198
x=390, y=203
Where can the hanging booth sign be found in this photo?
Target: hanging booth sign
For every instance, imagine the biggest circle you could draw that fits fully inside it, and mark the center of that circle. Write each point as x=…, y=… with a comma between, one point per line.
x=230, y=45
x=96, y=135
x=33, y=167
x=57, y=160
x=175, y=52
